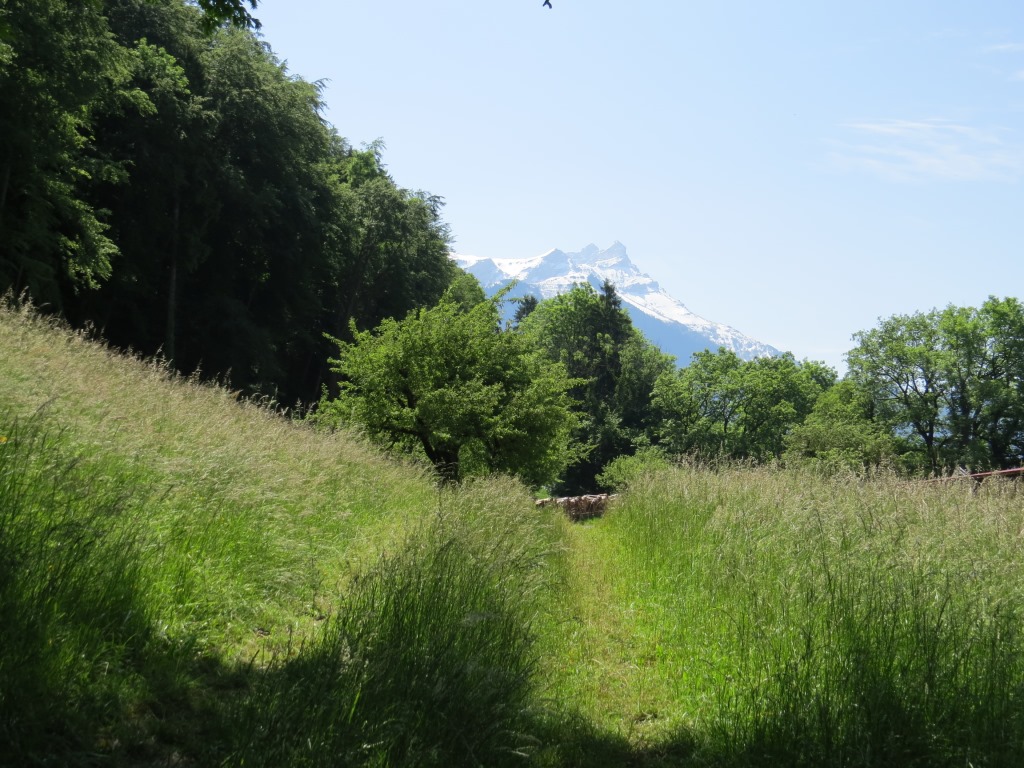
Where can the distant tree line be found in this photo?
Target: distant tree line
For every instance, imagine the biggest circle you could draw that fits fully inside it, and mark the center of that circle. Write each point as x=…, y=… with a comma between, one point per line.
x=572, y=382
x=947, y=385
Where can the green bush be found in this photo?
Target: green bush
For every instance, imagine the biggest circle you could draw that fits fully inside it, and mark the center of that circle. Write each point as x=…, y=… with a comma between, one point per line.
x=622, y=472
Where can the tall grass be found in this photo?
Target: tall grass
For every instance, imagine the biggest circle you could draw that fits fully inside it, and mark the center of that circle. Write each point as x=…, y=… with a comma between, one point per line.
x=252, y=522
x=430, y=659
x=181, y=572
x=71, y=614
x=779, y=618
x=901, y=643
x=190, y=579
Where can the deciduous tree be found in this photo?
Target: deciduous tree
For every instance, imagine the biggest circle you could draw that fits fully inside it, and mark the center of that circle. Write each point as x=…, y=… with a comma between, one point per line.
x=841, y=432
x=721, y=405
x=615, y=368
x=949, y=383
x=452, y=385
x=59, y=68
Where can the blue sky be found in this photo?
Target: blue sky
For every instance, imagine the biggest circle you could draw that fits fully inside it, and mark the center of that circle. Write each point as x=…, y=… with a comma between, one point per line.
x=793, y=169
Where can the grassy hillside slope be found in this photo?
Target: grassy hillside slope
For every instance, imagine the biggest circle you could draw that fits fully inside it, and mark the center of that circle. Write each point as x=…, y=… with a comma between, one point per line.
x=255, y=516
x=177, y=565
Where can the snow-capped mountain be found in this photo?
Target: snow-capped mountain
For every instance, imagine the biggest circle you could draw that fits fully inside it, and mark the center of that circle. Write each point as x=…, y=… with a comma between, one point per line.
x=665, y=321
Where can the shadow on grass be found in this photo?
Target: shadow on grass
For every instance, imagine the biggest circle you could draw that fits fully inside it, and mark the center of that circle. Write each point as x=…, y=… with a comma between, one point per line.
x=571, y=741
x=431, y=660
x=428, y=662
x=83, y=677
x=895, y=670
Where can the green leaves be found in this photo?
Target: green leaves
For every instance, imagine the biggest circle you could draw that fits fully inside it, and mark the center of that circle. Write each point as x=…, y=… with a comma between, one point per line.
x=59, y=69
x=722, y=406
x=614, y=368
x=234, y=12
x=928, y=391
x=448, y=382
x=181, y=190
x=840, y=432
x=949, y=382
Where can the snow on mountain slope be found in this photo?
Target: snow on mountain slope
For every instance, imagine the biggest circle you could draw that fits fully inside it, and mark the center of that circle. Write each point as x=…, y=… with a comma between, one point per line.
x=663, y=319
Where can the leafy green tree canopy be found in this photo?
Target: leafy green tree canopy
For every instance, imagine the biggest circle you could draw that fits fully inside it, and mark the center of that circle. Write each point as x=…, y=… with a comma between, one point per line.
x=59, y=69
x=841, y=433
x=182, y=191
x=948, y=383
x=721, y=405
x=234, y=12
x=614, y=367
x=450, y=384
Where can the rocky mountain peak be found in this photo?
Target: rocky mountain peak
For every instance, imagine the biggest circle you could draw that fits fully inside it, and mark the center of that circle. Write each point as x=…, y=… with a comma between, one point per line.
x=666, y=321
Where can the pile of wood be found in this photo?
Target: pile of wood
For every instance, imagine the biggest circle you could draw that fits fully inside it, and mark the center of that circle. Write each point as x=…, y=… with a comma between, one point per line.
x=580, y=507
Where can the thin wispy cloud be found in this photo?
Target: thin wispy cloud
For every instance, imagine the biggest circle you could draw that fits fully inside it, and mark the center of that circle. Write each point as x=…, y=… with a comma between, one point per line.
x=1005, y=48
x=928, y=150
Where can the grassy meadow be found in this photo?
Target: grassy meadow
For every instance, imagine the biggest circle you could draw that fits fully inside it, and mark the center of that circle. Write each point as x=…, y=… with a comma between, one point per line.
x=191, y=580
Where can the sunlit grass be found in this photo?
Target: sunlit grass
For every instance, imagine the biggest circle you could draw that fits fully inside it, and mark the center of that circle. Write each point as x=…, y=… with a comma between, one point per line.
x=254, y=520
x=431, y=658
x=71, y=616
x=237, y=533
x=186, y=578
x=774, y=617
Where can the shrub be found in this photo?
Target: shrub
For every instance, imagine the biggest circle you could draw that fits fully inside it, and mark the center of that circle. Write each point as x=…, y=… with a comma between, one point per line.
x=622, y=472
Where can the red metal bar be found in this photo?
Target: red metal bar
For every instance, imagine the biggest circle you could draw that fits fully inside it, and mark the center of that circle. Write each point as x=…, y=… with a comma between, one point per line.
x=983, y=475
x=979, y=476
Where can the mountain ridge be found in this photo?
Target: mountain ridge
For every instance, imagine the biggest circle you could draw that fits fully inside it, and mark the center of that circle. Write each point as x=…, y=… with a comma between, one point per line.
x=663, y=319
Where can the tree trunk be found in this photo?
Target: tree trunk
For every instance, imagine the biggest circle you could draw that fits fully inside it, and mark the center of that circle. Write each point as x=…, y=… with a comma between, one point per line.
x=3, y=187
x=345, y=311
x=172, y=282
x=446, y=462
